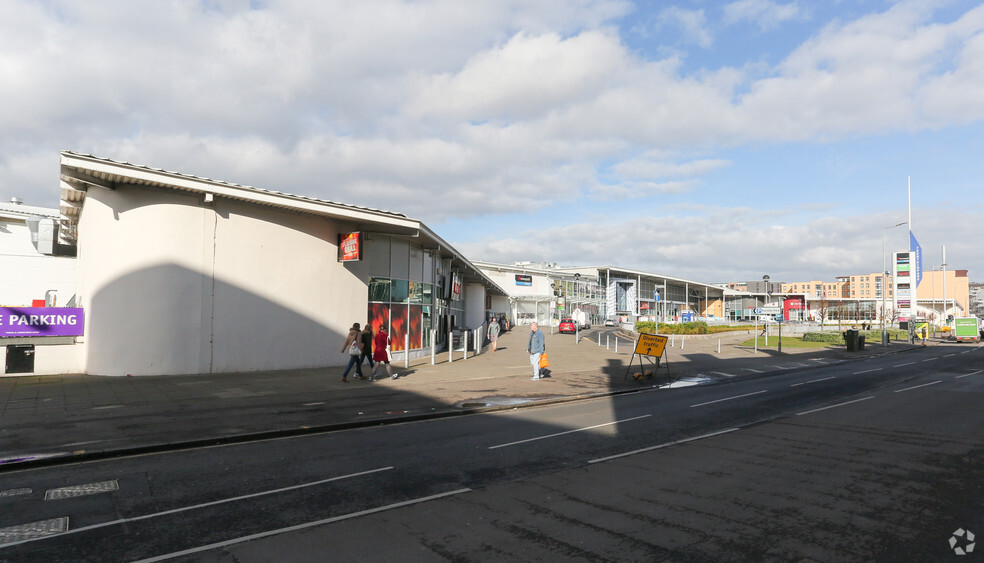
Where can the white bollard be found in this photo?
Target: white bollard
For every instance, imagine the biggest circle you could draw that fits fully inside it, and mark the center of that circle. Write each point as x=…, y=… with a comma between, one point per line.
x=406, y=351
x=616, y=345
x=719, y=345
x=478, y=342
x=599, y=339
x=450, y=347
x=433, y=346
x=464, y=334
x=608, y=342
x=683, y=342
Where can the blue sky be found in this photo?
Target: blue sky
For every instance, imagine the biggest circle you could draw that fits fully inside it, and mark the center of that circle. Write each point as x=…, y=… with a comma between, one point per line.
x=715, y=141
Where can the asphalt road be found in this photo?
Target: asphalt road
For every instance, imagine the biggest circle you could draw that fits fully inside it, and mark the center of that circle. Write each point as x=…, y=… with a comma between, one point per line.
x=873, y=460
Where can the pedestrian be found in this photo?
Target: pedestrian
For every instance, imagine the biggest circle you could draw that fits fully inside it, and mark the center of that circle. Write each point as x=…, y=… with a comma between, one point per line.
x=353, y=347
x=380, y=353
x=494, y=333
x=537, y=345
x=366, y=338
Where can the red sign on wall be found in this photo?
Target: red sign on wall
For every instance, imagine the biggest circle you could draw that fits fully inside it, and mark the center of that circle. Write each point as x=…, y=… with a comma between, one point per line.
x=350, y=247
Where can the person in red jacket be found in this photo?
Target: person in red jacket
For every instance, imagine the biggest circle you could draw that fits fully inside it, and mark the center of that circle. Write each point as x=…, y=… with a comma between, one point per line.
x=380, y=353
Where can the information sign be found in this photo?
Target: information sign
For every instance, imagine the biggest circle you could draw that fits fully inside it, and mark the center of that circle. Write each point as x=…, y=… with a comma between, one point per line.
x=651, y=345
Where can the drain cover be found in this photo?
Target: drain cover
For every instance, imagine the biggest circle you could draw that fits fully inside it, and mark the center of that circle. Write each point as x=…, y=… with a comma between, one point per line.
x=81, y=490
x=33, y=530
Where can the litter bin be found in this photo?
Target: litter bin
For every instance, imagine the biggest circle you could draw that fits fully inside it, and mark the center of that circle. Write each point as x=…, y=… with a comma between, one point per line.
x=851, y=338
x=861, y=342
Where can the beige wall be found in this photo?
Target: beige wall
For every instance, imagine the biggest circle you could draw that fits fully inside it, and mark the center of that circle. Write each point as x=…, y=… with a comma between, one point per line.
x=957, y=288
x=172, y=285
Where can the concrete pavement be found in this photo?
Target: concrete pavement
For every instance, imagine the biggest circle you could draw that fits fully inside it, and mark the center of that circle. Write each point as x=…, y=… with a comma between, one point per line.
x=46, y=420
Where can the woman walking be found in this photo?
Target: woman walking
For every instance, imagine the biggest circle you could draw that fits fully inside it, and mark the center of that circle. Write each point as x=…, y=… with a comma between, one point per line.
x=366, y=338
x=380, y=353
x=353, y=347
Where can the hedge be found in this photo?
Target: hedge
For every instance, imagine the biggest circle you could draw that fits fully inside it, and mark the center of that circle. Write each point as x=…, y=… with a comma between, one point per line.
x=696, y=327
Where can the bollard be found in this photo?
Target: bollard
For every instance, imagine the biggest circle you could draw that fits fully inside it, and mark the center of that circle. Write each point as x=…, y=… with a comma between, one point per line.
x=464, y=334
x=719, y=345
x=599, y=339
x=478, y=342
x=433, y=346
x=683, y=342
x=672, y=340
x=616, y=345
x=406, y=351
x=450, y=347
x=608, y=342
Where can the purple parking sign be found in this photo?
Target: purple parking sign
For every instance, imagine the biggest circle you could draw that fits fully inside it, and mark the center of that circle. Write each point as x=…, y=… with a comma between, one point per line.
x=41, y=321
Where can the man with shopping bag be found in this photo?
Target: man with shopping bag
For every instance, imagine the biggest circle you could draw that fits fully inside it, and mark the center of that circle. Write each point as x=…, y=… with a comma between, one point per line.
x=537, y=345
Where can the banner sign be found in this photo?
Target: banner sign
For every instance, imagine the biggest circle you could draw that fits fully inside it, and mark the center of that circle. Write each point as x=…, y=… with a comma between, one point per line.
x=523, y=279
x=916, y=250
x=350, y=247
x=41, y=321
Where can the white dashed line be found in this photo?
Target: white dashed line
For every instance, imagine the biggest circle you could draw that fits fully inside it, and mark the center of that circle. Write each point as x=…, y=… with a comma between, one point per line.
x=918, y=386
x=835, y=406
x=567, y=432
x=867, y=371
x=813, y=381
x=968, y=374
x=728, y=399
x=905, y=364
x=666, y=445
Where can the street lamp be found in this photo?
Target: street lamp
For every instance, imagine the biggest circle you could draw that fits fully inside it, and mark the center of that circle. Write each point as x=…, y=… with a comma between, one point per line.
x=885, y=282
x=768, y=297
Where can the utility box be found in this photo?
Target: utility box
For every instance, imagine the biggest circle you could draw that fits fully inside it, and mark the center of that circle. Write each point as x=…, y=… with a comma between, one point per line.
x=20, y=358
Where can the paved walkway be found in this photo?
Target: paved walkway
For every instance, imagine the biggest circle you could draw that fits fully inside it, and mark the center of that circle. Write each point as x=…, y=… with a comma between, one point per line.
x=67, y=418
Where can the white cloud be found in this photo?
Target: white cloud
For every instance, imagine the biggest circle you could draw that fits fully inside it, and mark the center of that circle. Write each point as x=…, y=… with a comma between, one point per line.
x=692, y=22
x=766, y=14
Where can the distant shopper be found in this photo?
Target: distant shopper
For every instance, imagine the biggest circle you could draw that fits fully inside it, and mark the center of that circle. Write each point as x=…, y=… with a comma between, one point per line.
x=353, y=347
x=494, y=333
x=366, y=338
x=380, y=353
x=536, y=346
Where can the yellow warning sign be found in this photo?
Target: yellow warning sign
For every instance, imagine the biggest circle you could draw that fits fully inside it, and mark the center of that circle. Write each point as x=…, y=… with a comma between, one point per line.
x=651, y=345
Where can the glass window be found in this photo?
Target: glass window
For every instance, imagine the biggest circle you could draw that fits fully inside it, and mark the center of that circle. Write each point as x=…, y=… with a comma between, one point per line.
x=428, y=290
x=416, y=263
x=400, y=291
x=399, y=259
x=416, y=292
x=379, y=289
x=378, y=252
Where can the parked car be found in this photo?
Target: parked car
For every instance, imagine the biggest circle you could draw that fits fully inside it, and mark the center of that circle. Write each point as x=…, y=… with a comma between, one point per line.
x=610, y=322
x=567, y=325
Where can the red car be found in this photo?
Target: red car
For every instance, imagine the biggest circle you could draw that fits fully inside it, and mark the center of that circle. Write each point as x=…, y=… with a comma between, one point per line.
x=567, y=325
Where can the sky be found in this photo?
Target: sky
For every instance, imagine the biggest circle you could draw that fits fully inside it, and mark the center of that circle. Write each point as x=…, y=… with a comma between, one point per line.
x=711, y=141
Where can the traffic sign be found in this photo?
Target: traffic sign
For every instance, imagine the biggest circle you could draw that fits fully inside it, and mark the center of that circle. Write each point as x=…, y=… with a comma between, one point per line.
x=769, y=311
x=651, y=345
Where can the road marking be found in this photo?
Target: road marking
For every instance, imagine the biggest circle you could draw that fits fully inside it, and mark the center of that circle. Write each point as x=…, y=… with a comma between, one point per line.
x=968, y=374
x=930, y=359
x=801, y=365
x=918, y=386
x=568, y=432
x=722, y=373
x=666, y=445
x=780, y=367
x=834, y=406
x=302, y=526
x=213, y=503
x=867, y=371
x=752, y=370
x=728, y=399
x=948, y=355
x=813, y=381
x=106, y=407
x=312, y=404
x=905, y=364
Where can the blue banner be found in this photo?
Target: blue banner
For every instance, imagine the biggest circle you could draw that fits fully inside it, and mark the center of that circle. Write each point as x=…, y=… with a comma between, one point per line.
x=917, y=262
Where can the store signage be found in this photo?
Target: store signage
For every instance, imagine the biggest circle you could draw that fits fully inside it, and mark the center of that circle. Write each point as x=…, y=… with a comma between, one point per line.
x=350, y=247
x=524, y=279
x=41, y=321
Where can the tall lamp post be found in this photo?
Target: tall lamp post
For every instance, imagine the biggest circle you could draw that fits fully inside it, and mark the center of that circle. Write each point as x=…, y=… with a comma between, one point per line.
x=768, y=296
x=885, y=282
